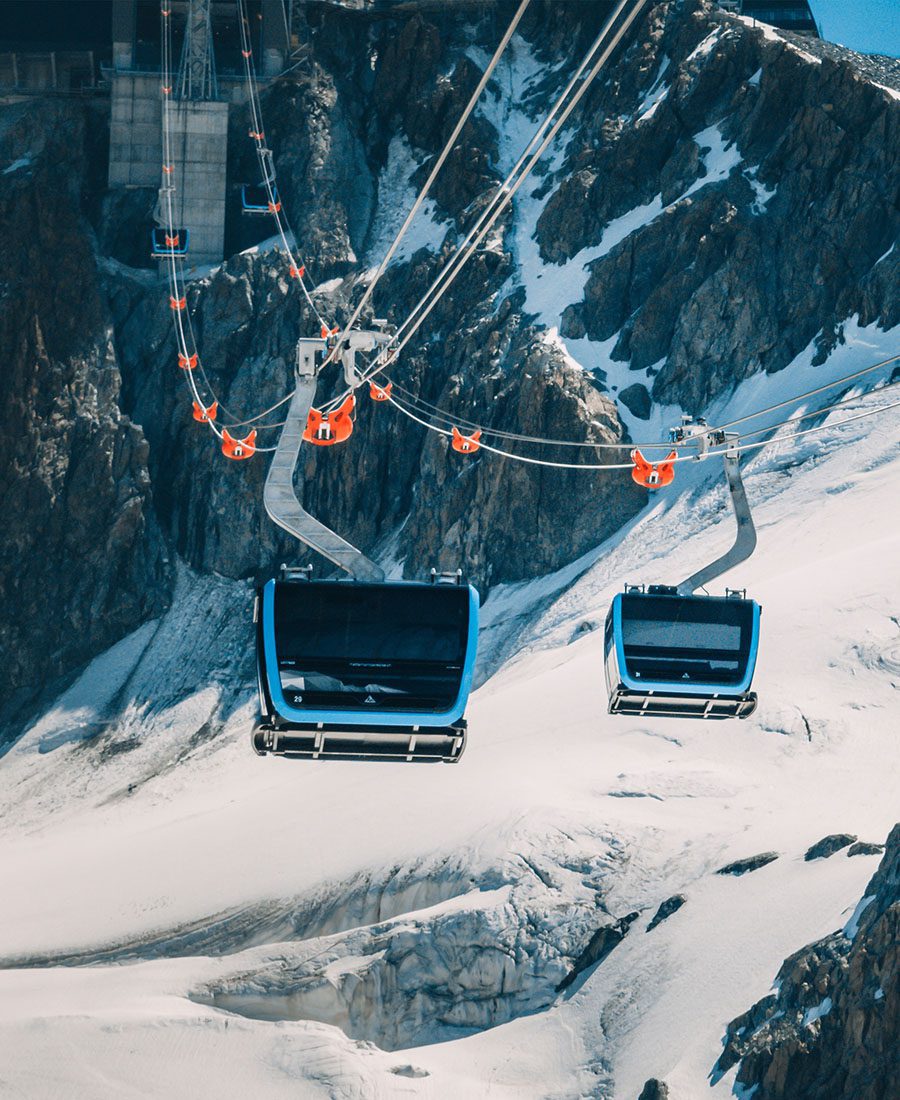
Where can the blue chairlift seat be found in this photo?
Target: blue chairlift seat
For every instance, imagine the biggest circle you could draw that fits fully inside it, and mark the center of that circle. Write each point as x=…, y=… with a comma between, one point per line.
x=687, y=656
x=255, y=199
x=165, y=243
x=364, y=670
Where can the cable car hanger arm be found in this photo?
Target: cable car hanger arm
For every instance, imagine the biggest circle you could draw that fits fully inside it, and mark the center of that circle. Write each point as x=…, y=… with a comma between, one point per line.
x=745, y=538
x=279, y=496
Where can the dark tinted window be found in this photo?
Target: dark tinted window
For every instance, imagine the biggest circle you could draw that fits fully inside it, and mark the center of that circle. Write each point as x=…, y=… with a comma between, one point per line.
x=686, y=638
x=350, y=645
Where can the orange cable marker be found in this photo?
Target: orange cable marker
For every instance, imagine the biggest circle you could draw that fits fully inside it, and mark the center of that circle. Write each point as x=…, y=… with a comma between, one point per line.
x=380, y=393
x=205, y=415
x=465, y=444
x=238, y=448
x=652, y=475
x=188, y=362
x=326, y=429
x=297, y=272
x=178, y=303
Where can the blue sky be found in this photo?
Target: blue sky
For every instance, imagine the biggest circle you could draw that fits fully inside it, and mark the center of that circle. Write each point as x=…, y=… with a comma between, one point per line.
x=870, y=26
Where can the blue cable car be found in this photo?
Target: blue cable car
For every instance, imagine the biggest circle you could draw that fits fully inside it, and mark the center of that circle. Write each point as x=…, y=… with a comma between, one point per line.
x=365, y=668
x=357, y=669
x=255, y=199
x=671, y=655
x=165, y=243
x=669, y=652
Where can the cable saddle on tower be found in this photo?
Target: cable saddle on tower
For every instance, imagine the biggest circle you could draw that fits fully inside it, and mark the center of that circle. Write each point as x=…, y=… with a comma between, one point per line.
x=358, y=668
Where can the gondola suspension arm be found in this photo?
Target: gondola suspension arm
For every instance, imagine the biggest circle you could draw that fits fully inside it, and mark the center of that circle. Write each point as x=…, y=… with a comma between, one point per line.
x=745, y=538
x=279, y=495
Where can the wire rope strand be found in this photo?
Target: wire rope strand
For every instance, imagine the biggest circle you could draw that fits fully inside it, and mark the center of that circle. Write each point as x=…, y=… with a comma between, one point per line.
x=460, y=259
x=811, y=393
x=266, y=161
x=432, y=175
x=740, y=447
x=419, y=405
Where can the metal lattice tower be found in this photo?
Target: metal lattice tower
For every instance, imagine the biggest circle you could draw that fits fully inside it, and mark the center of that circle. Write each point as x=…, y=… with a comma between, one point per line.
x=197, y=71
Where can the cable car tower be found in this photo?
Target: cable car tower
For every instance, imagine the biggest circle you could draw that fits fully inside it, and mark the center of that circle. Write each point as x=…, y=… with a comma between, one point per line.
x=197, y=71
x=363, y=668
x=672, y=653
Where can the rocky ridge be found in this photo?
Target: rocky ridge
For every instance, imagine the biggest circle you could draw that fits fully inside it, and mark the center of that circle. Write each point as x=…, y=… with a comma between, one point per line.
x=83, y=559
x=829, y=1032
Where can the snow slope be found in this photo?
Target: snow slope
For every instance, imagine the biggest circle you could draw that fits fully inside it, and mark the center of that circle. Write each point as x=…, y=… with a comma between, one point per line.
x=238, y=913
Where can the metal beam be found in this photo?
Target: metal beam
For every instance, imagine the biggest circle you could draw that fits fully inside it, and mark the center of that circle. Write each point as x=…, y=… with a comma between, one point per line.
x=197, y=72
x=745, y=539
x=279, y=495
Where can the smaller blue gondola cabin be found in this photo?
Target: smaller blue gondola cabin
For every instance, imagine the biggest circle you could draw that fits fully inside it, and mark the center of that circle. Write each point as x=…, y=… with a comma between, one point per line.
x=165, y=243
x=671, y=655
x=256, y=199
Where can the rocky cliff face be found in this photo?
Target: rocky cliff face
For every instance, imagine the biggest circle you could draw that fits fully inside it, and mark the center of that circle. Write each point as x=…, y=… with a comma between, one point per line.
x=82, y=557
x=830, y=1031
x=757, y=180
x=721, y=199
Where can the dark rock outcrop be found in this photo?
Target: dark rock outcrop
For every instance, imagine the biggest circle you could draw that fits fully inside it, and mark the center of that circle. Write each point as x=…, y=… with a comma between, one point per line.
x=769, y=207
x=865, y=848
x=828, y=845
x=654, y=1090
x=603, y=941
x=667, y=908
x=830, y=1032
x=750, y=863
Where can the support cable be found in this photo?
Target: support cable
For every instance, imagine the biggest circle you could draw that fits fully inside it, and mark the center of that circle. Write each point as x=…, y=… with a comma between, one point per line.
x=508, y=193
x=432, y=175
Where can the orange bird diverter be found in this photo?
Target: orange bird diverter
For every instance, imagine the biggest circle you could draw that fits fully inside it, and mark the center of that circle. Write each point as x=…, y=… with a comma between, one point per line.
x=653, y=475
x=238, y=448
x=465, y=444
x=380, y=393
x=205, y=415
x=326, y=429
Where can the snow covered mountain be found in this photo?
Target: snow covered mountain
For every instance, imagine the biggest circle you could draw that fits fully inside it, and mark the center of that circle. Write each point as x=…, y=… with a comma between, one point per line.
x=184, y=919
x=584, y=905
